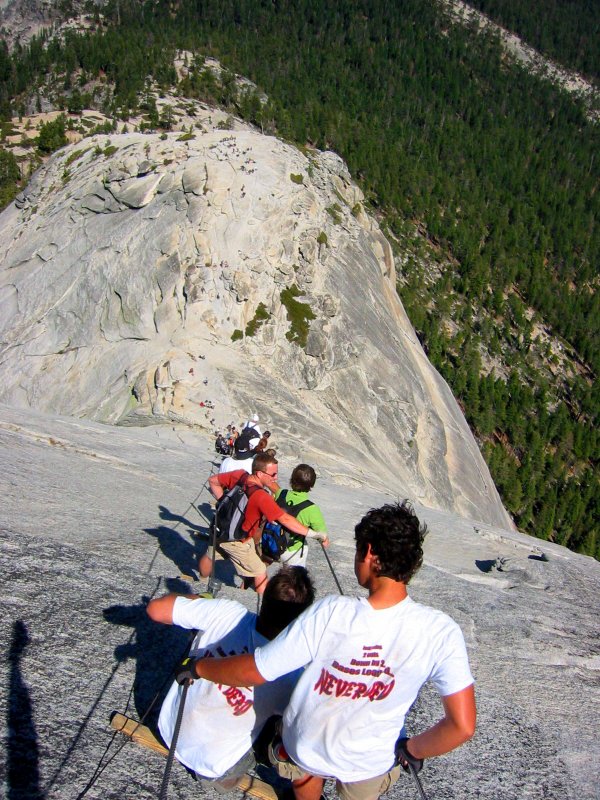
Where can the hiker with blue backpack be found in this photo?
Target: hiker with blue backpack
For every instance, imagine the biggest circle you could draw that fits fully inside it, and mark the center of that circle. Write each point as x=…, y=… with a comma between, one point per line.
x=243, y=505
x=280, y=544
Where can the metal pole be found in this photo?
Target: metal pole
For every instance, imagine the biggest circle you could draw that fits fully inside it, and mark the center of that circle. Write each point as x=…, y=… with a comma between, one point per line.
x=167, y=772
x=331, y=567
x=417, y=781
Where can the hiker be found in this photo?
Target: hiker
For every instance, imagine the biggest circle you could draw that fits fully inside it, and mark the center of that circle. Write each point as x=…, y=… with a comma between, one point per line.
x=295, y=501
x=233, y=434
x=252, y=423
x=243, y=451
x=264, y=441
x=245, y=444
x=242, y=553
x=221, y=445
x=365, y=661
x=220, y=724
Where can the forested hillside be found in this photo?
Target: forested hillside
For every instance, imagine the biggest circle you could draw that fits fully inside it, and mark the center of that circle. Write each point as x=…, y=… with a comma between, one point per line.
x=485, y=176
x=565, y=30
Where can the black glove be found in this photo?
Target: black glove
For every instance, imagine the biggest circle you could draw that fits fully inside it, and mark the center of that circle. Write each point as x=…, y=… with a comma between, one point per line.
x=185, y=671
x=404, y=758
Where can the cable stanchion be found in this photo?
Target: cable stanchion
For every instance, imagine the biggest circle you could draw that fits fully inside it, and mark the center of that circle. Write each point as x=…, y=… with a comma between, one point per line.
x=335, y=578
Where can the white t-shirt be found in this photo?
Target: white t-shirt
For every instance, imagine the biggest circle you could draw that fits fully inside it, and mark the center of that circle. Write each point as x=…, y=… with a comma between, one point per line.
x=230, y=464
x=219, y=722
x=364, y=670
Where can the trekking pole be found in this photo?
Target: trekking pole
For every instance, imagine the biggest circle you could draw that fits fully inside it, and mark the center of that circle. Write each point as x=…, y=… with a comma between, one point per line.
x=417, y=781
x=335, y=578
x=211, y=581
x=202, y=488
x=167, y=772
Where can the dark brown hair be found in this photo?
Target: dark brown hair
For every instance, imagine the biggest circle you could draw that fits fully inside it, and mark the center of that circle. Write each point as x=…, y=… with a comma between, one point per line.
x=303, y=478
x=287, y=595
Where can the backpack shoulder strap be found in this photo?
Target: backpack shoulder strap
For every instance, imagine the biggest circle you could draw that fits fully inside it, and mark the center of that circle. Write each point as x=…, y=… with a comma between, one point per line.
x=300, y=507
x=294, y=510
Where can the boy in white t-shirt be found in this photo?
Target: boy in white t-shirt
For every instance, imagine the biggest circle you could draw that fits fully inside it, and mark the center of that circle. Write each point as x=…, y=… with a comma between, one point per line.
x=365, y=661
x=221, y=723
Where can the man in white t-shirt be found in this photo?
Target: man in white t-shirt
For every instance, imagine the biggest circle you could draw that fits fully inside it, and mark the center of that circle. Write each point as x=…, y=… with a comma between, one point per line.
x=365, y=660
x=221, y=723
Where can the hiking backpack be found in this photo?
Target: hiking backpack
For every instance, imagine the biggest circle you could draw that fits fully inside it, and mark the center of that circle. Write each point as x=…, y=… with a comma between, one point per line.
x=227, y=522
x=275, y=538
x=241, y=446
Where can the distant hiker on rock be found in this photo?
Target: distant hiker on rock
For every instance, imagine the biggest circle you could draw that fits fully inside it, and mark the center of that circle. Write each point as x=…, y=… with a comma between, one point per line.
x=295, y=501
x=220, y=723
x=239, y=546
x=365, y=660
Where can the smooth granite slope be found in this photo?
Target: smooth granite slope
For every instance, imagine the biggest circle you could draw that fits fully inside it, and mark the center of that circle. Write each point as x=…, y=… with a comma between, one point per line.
x=96, y=519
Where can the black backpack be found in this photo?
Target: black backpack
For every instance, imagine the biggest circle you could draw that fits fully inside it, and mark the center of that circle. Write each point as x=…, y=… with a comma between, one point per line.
x=275, y=538
x=241, y=446
x=226, y=525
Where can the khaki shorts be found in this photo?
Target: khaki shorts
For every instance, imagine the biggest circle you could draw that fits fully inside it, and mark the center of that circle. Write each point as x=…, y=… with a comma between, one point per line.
x=243, y=556
x=368, y=789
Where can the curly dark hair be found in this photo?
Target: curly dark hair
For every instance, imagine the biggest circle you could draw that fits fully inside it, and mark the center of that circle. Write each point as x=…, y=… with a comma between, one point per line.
x=396, y=538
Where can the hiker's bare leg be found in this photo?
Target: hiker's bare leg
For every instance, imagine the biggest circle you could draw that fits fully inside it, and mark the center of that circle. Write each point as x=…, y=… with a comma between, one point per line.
x=308, y=788
x=260, y=583
x=205, y=566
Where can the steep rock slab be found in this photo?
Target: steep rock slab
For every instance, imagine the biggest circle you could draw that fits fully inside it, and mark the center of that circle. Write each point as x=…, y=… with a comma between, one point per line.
x=200, y=278
x=110, y=520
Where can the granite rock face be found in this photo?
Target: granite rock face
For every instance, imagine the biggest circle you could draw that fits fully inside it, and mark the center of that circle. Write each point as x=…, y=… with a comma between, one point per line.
x=133, y=264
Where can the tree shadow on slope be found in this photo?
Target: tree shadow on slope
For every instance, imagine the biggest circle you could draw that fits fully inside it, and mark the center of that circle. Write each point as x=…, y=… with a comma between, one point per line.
x=156, y=648
x=22, y=756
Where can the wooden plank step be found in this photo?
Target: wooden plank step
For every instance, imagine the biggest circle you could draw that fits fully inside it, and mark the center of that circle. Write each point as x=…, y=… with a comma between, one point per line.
x=137, y=732
x=247, y=784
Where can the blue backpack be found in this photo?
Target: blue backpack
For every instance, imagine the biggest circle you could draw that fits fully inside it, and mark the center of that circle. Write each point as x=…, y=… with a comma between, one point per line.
x=275, y=538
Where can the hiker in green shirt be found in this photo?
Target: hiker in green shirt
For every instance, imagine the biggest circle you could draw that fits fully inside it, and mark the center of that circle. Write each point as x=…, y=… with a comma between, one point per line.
x=295, y=501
